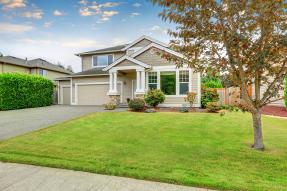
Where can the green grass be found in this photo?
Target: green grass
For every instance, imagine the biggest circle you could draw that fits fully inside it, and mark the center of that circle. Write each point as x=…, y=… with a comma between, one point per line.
x=195, y=149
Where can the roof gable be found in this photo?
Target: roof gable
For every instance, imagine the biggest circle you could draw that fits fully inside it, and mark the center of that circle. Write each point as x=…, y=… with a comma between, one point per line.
x=137, y=62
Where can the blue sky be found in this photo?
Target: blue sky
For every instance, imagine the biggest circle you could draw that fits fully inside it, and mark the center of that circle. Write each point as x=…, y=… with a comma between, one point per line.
x=57, y=29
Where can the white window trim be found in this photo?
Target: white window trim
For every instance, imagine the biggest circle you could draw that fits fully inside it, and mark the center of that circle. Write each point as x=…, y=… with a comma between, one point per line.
x=93, y=66
x=176, y=70
x=147, y=79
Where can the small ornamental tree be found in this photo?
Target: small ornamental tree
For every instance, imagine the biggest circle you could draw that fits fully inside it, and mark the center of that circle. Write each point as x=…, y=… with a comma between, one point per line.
x=154, y=97
x=244, y=40
x=190, y=98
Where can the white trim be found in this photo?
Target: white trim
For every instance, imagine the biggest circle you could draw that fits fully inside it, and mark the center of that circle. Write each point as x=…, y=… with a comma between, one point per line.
x=98, y=52
x=96, y=83
x=147, y=38
x=88, y=75
x=129, y=59
x=61, y=98
x=137, y=68
x=71, y=84
x=107, y=60
x=153, y=45
x=199, y=90
x=58, y=89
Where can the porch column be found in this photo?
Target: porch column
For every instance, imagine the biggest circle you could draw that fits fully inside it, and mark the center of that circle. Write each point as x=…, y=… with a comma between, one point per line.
x=111, y=82
x=142, y=81
x=138, y=81
x=115, y=79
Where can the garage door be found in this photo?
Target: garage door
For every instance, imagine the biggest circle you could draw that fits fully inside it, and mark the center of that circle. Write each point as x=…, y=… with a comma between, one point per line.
x=95, y=94
x=66, y=98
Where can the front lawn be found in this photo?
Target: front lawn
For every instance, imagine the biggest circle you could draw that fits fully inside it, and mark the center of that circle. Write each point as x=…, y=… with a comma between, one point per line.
x=196, y=149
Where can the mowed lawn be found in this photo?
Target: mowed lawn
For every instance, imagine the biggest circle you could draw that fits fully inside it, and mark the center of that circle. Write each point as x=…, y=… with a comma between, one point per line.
x=196, y=149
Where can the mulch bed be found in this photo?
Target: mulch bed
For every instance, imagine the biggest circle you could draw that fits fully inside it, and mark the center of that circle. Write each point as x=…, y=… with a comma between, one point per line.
x=274, y=110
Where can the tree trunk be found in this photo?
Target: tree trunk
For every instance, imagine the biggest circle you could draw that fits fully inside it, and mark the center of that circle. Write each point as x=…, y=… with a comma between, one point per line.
x=257, y=126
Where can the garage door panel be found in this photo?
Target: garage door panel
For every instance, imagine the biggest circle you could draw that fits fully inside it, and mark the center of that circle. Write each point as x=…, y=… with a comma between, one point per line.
x=66, y=96
x=93, y=94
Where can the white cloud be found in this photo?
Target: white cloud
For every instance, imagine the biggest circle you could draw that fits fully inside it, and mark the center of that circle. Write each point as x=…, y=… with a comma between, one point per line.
x=85, y=11
x=155, y=29
x=14, y=28
x=58, y=13
x=109, y=4
x=109, y=13
x=134, y=14
x=83, y=2
x=137, y=5
x=35, y=14
x=48, y=24
x=12, y=4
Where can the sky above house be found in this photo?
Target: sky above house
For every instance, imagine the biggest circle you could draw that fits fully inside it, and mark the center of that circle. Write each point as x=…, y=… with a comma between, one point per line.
x=56, y=30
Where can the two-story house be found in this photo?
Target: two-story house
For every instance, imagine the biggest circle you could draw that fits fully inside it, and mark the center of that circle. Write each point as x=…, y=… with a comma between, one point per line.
x=128, y=71
x=10, y=64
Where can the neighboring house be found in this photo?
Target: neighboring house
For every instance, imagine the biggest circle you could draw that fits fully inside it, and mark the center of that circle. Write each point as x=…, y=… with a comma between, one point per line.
x=126, y=72
x=10, y=64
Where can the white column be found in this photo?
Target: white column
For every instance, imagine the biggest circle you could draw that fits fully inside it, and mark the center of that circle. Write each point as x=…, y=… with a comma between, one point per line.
x=158, y=80
x=111, y=82
x=177, y=82
x=138, y=81
x=115, y=78
x=142, y=81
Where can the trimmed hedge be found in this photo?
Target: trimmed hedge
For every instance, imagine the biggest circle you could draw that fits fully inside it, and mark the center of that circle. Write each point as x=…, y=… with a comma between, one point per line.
x=18, y=91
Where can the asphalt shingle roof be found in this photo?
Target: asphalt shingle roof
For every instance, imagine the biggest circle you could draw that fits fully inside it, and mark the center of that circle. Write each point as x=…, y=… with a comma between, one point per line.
x=36, y=63
x=109, y=49
x=94, y=71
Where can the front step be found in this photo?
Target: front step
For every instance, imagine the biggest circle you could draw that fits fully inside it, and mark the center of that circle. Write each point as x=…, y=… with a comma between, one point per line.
x=123, y=105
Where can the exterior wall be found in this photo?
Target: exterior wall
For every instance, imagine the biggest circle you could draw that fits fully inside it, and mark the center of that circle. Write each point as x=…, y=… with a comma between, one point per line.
x=125, y=63
x=152, y=58
x=1, y=68
x=87, y=60
x=276, y=103
x=9, y=68
x=142, y=43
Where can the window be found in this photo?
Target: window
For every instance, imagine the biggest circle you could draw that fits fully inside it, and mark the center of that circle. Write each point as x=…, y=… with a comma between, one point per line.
x=152, y=80
x=168, y=83
x=102, y=60
x=183, y=82
x=43, y=72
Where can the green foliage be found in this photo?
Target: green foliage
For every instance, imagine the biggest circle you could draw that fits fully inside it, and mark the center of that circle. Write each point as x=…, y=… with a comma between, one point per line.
x=110, y=106
x=285, y=93
x=18, y=91
x=212, y=81
x=154, y=97
x=137, y=104
x=208, y=95
x=212, y=107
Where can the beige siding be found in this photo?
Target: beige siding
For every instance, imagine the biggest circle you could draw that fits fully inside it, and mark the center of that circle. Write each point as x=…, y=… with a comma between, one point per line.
x=142, y=43
x=87, y=62
x=1, y=68
x=66, y=82
x=125, y=63
x=8, y=68
x=174, y=100
x=152, y=58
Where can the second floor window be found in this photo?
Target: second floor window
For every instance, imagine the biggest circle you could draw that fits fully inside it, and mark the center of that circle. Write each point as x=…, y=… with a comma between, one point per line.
x=102, y=60
x=43, y=72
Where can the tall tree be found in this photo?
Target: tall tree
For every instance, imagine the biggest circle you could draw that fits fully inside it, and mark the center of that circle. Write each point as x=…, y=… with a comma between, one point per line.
x=244, y=40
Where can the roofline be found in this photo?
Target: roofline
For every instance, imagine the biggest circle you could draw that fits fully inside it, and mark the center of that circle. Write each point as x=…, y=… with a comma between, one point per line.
x=126, y=58
x=148, y=38
x=95, y=52
x=88, y=75
x=159, y=47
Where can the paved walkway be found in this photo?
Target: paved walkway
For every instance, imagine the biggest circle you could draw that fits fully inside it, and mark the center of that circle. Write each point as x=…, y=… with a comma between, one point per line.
x=19, y=177
x=17, y=122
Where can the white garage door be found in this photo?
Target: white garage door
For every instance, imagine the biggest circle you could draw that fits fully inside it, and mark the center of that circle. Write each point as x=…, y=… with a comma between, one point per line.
x=93, y=94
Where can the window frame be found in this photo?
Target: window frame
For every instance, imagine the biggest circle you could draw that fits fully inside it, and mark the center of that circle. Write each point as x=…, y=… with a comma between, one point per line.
x=42, y=72
x=102, y=66
x=153, y=83
x=186, y=82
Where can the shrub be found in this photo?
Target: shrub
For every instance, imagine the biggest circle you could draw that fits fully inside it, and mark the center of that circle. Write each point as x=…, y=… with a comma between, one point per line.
x=154, y=97
x=213, y=84
x=110, y=106
x=18, y=91
x=137, y=104
x=190, y=98
x=285, y=93
x=208, y=95
x=183, y=109
x=212, y=107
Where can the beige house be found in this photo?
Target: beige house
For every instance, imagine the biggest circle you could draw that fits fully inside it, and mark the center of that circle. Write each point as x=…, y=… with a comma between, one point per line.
x=127, y=71
x=10, y=64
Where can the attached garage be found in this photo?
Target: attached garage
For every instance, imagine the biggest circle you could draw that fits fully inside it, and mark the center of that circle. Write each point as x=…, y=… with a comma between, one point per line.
x=65, y=92
x=92, y=93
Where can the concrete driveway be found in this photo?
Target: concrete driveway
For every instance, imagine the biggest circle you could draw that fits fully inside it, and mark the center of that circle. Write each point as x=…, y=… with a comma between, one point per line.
x=17, y=122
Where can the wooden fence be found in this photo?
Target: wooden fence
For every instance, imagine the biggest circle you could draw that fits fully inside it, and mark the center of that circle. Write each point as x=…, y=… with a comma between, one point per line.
x=229, y=96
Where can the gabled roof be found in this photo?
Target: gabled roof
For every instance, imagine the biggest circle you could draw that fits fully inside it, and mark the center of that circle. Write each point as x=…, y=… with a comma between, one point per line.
x=36, y=63
x=129, y=59
x=153, y=45
x=94, y=71
x=147, y=38
x=104, y=50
